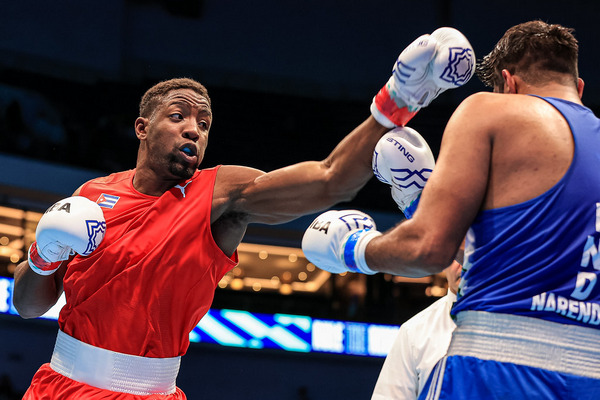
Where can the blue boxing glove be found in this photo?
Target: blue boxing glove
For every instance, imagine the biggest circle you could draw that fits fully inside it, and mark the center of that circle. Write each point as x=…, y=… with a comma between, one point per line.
x=336, y=241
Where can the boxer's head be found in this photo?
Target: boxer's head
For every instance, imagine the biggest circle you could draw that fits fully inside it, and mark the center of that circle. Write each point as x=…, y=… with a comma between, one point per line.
x=536, y=51
x=175, y=118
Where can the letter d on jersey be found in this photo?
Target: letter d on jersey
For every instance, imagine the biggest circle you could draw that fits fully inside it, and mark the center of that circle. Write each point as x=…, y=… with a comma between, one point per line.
x=584, y=285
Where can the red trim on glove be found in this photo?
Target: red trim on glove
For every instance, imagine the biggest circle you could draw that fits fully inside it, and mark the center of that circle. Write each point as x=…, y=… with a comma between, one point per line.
x=38, y=264
x=388, y=107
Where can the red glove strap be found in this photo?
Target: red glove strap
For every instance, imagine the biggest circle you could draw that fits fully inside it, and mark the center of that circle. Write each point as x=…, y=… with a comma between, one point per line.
x=38, y=264
x=388, y=107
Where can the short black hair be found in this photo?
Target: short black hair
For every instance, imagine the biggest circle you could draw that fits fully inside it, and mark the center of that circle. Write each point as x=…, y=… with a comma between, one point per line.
x=535, y=50
x=154, y=96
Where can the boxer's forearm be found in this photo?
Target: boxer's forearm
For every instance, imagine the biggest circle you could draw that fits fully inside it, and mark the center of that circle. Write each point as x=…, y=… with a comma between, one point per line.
x=34, y=294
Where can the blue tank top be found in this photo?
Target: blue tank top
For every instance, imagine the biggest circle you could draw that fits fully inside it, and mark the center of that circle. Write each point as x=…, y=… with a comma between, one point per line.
x=541, y=258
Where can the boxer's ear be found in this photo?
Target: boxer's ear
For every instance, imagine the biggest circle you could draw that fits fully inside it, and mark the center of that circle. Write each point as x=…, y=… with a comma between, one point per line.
x=141, y=128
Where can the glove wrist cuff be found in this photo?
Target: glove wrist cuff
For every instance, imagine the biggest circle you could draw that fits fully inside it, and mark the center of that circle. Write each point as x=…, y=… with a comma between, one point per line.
x=387, y=112
x=353, y=253
x=38, y=264
x=412, y=207
x=379, y=117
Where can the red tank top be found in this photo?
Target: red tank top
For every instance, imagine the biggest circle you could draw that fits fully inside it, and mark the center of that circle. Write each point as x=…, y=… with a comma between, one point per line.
x=154, y=275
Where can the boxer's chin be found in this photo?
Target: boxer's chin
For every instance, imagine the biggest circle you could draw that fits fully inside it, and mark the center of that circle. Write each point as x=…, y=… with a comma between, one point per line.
x=183, y=171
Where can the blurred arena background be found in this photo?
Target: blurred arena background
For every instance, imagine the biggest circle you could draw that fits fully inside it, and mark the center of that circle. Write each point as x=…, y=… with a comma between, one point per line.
x=287, y=81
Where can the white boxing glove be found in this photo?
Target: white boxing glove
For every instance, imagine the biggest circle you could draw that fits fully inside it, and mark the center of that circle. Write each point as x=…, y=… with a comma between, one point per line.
x=427, y=67
x=72, y=225
x=336, y=241
x=403, y=160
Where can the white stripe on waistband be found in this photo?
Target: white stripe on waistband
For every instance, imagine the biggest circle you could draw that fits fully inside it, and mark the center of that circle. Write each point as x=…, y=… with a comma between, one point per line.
x=534, y=342
x=113, y=371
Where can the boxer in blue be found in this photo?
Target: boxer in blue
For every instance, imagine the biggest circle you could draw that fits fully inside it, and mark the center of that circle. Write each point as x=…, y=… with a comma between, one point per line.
x=518, y=176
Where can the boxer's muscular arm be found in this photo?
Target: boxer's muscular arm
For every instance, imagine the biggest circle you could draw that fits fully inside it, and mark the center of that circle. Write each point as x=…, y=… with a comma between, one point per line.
x=244, y=195
x=35, y=294
x=307, y=187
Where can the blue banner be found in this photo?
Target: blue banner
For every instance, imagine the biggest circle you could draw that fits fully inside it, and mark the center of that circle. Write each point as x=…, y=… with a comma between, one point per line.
x=244, y=329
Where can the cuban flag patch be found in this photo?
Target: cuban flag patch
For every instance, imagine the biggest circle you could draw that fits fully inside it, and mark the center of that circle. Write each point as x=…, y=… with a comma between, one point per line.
x=107, y=200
